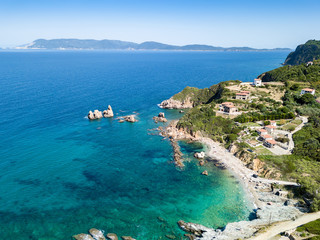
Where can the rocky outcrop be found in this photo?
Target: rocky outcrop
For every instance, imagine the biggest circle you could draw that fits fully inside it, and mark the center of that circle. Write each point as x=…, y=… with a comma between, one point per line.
x=176, y=104
x=97, y=234
x=112, y=236
x=160, y=118
x=193, y=228
x=83, y=236
x=199, y=155
x=127, y=238
x=130, y=118
x=108, y=113
x=96, y=114
x=243, y=229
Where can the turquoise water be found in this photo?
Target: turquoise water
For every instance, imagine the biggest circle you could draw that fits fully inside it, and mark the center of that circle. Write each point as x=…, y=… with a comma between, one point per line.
x=62, y=174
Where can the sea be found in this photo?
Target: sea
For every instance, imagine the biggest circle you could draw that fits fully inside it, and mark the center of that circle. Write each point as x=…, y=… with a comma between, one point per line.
x=61, y=174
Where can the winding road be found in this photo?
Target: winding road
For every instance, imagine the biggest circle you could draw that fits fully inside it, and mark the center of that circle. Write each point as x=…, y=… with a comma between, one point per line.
x=280, y=227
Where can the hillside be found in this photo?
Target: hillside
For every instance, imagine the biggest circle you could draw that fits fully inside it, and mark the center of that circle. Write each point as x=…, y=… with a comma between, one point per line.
x=307, y=76
x=304, y=53
x=295, y=155
x=121, y=45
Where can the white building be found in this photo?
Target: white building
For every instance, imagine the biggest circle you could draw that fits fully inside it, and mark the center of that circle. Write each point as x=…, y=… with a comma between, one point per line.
x=308, y=90
x=270, y=128
x=257, y=82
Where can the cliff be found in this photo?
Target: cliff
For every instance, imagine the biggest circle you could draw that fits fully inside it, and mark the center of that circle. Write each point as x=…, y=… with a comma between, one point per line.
x=304, y=53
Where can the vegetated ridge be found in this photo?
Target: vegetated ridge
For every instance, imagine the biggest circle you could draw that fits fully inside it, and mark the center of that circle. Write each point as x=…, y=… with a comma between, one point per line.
x=123, y=45
x=304, y=53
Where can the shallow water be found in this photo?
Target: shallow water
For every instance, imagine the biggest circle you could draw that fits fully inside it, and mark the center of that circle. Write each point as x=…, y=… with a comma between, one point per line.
x=62, y=174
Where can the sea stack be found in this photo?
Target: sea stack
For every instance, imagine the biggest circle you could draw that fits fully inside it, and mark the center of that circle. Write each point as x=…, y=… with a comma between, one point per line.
x=108, y=113
x=160, y=118
x=96, y=114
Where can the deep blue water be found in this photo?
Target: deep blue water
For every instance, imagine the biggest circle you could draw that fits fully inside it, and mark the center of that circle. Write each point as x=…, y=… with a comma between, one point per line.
x=62, y=174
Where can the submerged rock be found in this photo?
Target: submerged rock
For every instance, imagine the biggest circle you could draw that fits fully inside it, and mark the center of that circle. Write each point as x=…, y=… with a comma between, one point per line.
x=108, y=113
x=83, y=236
x=112, y=236
x=97, y=234
x=205, y=173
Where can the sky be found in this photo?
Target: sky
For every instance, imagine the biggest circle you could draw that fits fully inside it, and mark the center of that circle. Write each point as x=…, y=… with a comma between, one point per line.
x=225, y=23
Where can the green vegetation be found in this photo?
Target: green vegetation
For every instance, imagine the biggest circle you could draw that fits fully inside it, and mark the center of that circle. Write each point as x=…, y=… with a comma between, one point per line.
x=304, y=53
x=307, y=140
x=216, y=93
x=311, y=228
x=295, y=77
x=303, y=165
x=203, y=118
x=254, y=116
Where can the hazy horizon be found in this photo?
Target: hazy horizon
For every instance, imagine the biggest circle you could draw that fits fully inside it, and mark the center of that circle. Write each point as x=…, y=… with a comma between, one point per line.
x=230, y=23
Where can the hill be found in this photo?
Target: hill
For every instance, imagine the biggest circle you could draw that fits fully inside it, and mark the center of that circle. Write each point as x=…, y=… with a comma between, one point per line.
x=304, y=53
x=303, y=75
x=122, y=45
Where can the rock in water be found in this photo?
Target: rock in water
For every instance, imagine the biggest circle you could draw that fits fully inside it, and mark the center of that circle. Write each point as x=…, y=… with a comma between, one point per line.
x=108, y=113
x=90, y=115
x=161, y=115
x=83, y=236
x=97, y=114
x=127, y=238
x=130, y=118
x=97, y=234
x=205, y=173
x=199, y=155
x=94, y=115
x=112, y=236
x=160, y=118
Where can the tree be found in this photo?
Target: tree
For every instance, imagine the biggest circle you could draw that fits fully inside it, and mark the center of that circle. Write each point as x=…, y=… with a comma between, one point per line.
x=306, y=98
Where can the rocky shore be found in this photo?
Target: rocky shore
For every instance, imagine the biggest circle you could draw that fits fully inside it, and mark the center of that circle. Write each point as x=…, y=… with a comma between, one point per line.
x=176, y=104
x=270, y=204
x=96, y=234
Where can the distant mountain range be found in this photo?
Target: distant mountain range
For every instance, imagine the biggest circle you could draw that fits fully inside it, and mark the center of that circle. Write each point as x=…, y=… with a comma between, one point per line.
x=81, y=44
x=304, y=53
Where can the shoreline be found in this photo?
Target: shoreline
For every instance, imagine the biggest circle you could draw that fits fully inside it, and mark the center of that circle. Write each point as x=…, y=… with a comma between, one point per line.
x=270, y=205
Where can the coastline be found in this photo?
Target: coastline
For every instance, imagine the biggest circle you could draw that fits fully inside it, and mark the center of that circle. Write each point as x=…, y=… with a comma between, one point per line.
x=270, y=205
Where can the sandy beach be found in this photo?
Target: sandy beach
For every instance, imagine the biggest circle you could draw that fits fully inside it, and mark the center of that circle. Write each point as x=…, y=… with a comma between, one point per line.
x=269, y=204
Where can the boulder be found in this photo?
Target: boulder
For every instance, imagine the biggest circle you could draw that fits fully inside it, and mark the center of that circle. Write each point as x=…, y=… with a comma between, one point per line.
x=90, y=115
x=199, y=155
x=160, y=118
x=96, y=114
x=112, y=236
x=205, y=173
x=108, y=113
x=83, y=236
x=97, y=234
x=193, y=228
x=130, y=118
x=201, y=163
x=161, y=115
x=127, y=238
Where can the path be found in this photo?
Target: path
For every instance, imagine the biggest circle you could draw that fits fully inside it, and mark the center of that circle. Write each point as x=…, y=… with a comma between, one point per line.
x=278, y=228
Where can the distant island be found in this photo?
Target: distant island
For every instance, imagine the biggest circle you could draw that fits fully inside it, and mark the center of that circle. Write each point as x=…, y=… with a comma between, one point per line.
x=304, y=53
x=90, y=44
